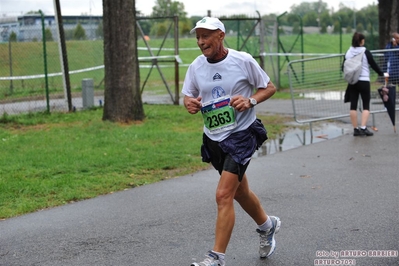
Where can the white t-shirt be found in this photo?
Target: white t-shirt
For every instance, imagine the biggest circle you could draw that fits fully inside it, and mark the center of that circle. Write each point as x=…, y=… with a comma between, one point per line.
x=237, y=74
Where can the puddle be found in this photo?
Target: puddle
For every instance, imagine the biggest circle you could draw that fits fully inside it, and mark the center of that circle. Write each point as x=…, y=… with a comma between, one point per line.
x=297, y=137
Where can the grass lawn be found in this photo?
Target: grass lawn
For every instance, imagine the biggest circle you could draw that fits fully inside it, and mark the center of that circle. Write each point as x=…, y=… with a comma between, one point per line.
x=48, y=160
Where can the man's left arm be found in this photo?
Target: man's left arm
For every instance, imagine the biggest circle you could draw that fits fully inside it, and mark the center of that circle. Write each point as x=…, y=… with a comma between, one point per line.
x=241, y=103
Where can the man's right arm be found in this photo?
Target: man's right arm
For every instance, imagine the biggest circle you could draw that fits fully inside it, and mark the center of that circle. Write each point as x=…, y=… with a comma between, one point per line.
x=193, y=105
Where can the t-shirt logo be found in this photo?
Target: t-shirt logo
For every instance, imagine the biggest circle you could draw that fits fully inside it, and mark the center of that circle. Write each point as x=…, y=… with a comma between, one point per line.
x=217, y=76
x=218, y=92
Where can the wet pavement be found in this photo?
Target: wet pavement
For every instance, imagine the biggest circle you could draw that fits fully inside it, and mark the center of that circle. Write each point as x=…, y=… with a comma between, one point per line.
x=338, y=201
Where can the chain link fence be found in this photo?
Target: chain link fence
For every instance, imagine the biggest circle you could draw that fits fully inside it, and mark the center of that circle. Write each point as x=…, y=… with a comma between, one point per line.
x=26, y=60
x=316, y=84
x=163, y=57
x=318, y=88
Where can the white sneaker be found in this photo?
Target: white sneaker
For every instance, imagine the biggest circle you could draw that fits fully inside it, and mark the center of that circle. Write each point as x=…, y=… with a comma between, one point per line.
x=211, y=259
x=267, y=243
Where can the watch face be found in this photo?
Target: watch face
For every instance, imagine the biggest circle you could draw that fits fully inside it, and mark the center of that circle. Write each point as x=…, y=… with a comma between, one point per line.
x=253, y=101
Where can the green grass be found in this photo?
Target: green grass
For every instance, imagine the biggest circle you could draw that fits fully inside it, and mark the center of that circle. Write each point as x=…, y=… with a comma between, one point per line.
x=48, y=160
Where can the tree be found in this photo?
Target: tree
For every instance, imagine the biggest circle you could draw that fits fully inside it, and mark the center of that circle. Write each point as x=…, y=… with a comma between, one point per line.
x=349, y=29
x=323, y=28
x=168, y=8
x=159, y=29
x=359, y=27
x=325, y=19
x=13, y=37
x=49, y=35
x=122, y=97
x=337, y=27
x=99, y=30
x=79, y=33
x=296, y=28
x=185, y=26
x=310, y=19
x=305, y=7
x=388, y=20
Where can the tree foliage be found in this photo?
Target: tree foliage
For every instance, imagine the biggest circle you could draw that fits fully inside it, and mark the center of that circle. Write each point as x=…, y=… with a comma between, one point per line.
x=79, y=33
x=318, y=13
x=168, y=8
x=12, y=37
x=163, y=9
x=49, y=35
x=100, y=30
x=305, y=7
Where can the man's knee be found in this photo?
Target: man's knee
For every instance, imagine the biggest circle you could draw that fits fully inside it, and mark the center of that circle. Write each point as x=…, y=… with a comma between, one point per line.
x=224, y=195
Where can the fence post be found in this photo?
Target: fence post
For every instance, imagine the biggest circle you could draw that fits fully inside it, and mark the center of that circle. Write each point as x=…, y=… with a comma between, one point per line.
x=278, y=49
x=87, y=93
x=10, y=62
x=45, y=61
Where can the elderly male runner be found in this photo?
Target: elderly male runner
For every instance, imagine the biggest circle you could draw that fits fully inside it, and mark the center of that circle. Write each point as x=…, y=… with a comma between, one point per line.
x=225, y=85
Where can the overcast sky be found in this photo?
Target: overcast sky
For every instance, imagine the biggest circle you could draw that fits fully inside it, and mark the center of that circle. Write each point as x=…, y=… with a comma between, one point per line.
x=192, y=7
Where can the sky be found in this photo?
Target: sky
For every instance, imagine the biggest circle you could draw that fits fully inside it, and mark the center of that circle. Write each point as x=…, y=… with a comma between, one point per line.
x=192, y=7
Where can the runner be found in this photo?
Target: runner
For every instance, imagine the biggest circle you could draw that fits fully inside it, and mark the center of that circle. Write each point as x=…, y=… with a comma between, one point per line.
x=226, y=85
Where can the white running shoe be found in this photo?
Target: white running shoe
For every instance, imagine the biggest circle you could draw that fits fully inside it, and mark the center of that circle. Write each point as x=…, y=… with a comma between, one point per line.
x=267, y=243
x=211, y=259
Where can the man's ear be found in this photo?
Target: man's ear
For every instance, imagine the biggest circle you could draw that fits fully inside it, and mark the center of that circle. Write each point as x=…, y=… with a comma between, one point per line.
x=222, y=34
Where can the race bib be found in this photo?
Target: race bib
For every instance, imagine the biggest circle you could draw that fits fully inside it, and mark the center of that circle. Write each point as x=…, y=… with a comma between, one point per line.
x=218, y=115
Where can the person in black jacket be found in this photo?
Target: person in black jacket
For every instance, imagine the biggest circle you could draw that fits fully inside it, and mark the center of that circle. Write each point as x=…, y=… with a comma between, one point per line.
x=362, y=87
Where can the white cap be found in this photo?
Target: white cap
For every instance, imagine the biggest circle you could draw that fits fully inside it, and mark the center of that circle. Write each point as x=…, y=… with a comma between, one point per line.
x=209, y=23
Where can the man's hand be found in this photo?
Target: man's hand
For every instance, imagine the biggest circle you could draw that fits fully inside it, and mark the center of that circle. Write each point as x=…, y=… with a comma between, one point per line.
x=193, y=105
x=240, y=103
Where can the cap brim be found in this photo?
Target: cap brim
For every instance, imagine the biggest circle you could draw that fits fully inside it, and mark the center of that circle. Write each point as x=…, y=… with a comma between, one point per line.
x=208, y=27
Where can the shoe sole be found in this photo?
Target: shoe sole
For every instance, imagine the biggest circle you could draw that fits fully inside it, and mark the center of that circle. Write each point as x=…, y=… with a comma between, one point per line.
x=196, y=264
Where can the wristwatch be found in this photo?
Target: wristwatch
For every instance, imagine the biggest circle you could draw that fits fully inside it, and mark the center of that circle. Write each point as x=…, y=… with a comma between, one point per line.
x=253, y=102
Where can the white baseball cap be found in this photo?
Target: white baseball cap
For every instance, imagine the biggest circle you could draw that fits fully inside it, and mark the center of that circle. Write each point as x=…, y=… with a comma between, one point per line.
x=209, y=23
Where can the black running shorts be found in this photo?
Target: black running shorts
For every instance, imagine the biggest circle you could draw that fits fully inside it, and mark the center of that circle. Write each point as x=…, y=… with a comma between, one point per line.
x=223, y=161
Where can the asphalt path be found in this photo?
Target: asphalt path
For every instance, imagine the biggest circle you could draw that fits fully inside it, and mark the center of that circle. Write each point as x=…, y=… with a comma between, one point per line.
x=337, y=199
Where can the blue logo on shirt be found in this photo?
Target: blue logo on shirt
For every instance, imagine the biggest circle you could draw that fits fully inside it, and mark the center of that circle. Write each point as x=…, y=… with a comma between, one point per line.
x=218, y=92
x=217, y=76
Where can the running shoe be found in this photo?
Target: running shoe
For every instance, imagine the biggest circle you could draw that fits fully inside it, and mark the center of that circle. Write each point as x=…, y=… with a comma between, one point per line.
x=211, y=259
x=267, y=243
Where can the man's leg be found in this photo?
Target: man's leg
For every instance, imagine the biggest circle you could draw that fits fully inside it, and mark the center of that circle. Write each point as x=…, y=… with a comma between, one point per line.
x=250, y=202
x=267, y=225
x=225, y=192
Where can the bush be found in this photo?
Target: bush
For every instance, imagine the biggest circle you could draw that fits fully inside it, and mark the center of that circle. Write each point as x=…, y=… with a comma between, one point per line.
x=13, y=37
x=79, y=33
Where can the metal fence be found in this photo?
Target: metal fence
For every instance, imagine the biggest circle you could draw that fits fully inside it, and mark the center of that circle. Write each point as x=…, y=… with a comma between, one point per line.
x=318, y=88
x=22, y=62
x=31, y=78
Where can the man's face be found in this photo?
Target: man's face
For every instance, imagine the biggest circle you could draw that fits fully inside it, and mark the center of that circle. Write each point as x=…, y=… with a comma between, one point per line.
x=210, y=42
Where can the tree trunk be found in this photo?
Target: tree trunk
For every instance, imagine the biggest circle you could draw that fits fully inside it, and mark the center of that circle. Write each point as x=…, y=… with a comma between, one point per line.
x=388, y=14
x=122, y=97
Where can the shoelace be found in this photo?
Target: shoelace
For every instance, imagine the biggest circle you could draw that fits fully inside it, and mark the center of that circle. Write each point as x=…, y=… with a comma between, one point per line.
x=265, y=239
